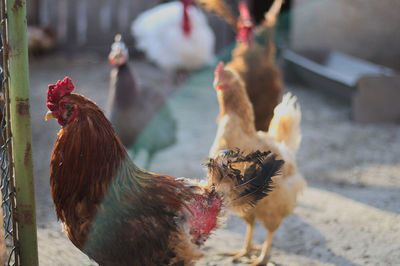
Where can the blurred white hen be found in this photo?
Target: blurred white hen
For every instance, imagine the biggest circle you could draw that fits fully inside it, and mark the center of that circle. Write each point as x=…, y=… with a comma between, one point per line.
x=175, y=36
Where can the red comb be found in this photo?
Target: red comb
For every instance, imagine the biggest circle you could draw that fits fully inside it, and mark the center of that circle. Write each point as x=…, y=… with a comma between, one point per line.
x=219, y=69
x=57, y=91
x=244, y=10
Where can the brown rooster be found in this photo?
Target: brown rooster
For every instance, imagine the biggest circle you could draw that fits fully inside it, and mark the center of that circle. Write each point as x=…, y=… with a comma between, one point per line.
x=253, y=59
x=236, y=130
x=119, y=214
x=139, y=114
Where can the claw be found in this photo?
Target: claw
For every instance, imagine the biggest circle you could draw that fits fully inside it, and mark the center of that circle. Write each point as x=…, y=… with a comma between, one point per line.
x=257, y=261
x=240, y=254
x=236, y=255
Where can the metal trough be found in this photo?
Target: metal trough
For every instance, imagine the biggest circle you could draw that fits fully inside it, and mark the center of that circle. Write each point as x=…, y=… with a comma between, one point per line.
x=372, y=90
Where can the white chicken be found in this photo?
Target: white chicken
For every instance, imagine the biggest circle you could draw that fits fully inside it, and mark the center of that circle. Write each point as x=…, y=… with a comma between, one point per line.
x=175, y=36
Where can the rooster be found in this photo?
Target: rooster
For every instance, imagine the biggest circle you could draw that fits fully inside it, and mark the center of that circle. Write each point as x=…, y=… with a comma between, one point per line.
x=236, y=130
x=119, y=214
x=253, y=59
x=139, y=114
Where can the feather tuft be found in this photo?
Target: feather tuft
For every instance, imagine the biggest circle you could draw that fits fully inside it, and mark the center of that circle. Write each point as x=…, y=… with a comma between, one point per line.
x=251, y=185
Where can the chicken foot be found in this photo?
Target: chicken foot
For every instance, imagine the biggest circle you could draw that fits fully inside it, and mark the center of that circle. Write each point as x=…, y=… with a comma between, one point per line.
x=263, y=258
x=247, y=249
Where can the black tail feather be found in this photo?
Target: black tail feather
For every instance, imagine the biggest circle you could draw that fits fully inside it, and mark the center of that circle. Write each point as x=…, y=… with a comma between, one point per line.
x=255, y=181
x=258, y=177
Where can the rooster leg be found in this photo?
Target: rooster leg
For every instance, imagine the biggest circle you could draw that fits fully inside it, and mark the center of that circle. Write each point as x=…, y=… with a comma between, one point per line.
x=265, y=252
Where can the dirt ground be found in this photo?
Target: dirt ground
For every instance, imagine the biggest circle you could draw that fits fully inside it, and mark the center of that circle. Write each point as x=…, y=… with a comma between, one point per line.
x=348, y=215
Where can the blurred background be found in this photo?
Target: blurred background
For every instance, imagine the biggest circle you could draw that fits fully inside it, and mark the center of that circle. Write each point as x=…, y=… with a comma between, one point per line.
x=341, y=60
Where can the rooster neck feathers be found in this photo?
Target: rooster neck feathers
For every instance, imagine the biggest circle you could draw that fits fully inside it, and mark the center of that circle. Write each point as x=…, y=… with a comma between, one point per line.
x=82, y=165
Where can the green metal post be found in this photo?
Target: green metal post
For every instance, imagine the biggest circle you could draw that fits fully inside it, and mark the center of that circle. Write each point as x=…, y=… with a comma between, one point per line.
x=21, y=131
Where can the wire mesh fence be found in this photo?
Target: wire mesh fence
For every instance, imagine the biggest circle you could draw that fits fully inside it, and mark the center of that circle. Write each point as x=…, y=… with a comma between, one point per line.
x=18, y=240
x=6, y=169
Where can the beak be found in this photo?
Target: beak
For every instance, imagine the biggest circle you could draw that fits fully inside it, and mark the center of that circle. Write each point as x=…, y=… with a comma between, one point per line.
x=49, y=115
x=216, y=83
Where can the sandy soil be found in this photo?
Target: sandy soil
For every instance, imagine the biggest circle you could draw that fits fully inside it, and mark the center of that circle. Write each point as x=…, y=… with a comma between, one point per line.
x=348, y=215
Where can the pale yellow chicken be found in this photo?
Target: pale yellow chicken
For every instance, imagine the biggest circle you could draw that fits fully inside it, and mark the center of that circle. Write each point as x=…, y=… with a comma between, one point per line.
x=236, y=130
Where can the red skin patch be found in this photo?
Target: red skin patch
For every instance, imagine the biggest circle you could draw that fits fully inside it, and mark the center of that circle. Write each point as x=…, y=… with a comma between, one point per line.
x=204, y=211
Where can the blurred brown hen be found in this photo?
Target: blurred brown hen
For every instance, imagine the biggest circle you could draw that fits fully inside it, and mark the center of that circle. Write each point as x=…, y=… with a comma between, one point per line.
x=253, y=59
x=41, y=39
x=119, y=214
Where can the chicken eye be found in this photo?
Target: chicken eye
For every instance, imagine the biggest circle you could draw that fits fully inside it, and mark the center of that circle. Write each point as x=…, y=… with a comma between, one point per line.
x=69, y=108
